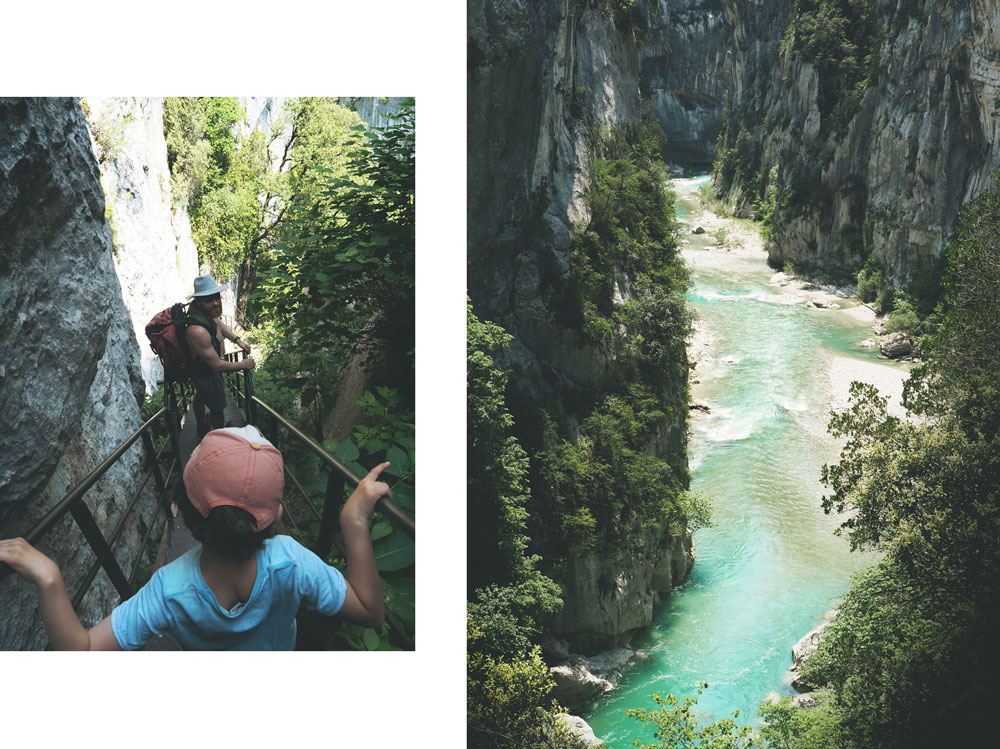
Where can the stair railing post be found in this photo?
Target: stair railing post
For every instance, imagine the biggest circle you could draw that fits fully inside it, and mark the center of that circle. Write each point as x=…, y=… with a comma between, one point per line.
x=154, y=467
x=331, y=514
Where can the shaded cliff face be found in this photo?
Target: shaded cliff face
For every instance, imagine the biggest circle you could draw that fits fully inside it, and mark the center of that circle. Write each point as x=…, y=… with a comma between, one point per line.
x=540, y=79
x=923, y=140
x=609, y=598
x=537, y=81
x=683, y=63
x=71, y=383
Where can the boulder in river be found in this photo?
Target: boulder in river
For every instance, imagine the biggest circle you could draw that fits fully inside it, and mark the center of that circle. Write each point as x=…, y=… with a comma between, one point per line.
x=576, y=686
x=581, y=729
x=582, y=680
x=698, y=230
x=897, y=345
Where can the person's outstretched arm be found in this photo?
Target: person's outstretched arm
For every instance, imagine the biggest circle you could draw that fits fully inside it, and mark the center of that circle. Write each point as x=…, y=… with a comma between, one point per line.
x=61, y=623
x=364, y=601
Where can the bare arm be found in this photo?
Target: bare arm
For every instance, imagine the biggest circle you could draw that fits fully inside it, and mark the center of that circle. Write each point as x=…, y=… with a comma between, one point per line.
x=61, y=623
x=365, y=601
x=230, y=335
x=200, y=342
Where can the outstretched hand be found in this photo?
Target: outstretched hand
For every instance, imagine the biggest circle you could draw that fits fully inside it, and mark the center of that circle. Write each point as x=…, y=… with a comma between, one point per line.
x=28, y=562
x=361, y=503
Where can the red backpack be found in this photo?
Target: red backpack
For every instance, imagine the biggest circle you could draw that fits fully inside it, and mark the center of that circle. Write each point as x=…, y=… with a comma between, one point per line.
x=166, y=337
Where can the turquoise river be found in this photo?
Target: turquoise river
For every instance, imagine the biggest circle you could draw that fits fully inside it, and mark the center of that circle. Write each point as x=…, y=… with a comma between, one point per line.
x=769, y=569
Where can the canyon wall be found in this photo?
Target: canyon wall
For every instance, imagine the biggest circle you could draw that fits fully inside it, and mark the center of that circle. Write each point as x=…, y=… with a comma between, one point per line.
x=890, y=181
x=71, y=380
x=542, y=77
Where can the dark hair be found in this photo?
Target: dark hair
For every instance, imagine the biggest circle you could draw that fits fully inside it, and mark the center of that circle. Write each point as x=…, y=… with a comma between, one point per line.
x=230, y=531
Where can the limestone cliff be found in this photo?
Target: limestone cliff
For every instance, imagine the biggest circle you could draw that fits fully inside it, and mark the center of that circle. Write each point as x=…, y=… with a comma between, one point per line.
x=683, y=64
x=609, y=598
x=70, y=381
x=889, y=183
x=541, y=77
x=154, y=255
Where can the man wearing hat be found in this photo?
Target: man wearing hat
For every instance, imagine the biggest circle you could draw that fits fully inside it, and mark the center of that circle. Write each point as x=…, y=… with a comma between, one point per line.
x=204, y=336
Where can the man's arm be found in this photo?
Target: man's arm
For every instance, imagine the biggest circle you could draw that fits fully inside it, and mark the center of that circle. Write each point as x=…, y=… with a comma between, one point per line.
x=364, y=601
x=61, y=623
x=200, y=342
x=230, y=335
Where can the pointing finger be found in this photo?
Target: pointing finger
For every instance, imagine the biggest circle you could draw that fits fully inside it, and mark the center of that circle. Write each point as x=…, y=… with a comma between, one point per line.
x=373, y=474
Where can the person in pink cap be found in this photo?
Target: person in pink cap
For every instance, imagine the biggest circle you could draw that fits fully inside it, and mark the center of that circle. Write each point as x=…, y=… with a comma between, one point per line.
x=241, y=588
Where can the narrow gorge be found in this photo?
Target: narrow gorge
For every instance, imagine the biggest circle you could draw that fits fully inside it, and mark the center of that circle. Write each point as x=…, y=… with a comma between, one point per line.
x=98, y=235
x=852, y=135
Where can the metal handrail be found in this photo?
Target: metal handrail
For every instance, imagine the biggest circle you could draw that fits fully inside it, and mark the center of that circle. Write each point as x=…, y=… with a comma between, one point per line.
x=85, y=520
x=393, y=513
x=102, y=546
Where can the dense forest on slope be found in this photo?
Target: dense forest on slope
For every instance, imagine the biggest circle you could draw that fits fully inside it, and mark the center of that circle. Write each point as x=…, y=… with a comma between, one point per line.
x=314, y=221
x=538, y=494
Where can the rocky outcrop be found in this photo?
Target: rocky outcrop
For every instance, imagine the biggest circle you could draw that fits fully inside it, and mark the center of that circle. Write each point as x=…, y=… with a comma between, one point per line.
x=580, y=681
x=536, y=80
x=924, y=138
x=804, y=648
x=70, y=381
x=897, y=345
x=609, y=597
x=581, y=729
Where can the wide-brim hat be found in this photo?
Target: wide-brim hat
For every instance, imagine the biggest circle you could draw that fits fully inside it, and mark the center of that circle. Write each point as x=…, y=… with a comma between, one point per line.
x=206, y=286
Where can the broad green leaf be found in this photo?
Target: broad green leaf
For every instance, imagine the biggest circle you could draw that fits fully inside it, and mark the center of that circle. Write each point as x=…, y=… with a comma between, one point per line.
x=399, y=460
x=380, y=530
x=371, y=639
x=347, y=451
x=394, y=552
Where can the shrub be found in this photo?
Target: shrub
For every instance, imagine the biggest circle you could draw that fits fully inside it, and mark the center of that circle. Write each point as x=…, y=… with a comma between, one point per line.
x=904, y=318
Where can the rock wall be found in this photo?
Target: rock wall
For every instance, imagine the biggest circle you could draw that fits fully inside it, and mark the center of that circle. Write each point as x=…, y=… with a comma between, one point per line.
x=537, y=80
x=923, y=141
x=683, y=63
x=541, y=75
x=70, y=380
x=154, y=255
x=609, y=598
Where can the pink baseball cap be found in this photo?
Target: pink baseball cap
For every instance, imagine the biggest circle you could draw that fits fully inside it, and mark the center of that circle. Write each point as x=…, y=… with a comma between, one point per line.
x=236, y=466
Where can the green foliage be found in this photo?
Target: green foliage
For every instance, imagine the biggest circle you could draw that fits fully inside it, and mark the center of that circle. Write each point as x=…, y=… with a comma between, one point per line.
x=216, y=177
x=904, y=317
x=497, y=494
x=385, y=432
x=709, y=199
x=109, y=132
x=697, y=509
x=603, y=486
x=871, y=280
x=508, y=705
x=841, y=39
x=912, y=658
x=338, y=281
x=886, y=300
x=962, y=360
x=631, y=231
x=676, y=726
x=788, y=727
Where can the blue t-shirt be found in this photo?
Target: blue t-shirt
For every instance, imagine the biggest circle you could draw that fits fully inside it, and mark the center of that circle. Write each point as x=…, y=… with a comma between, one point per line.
x=178, y=600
